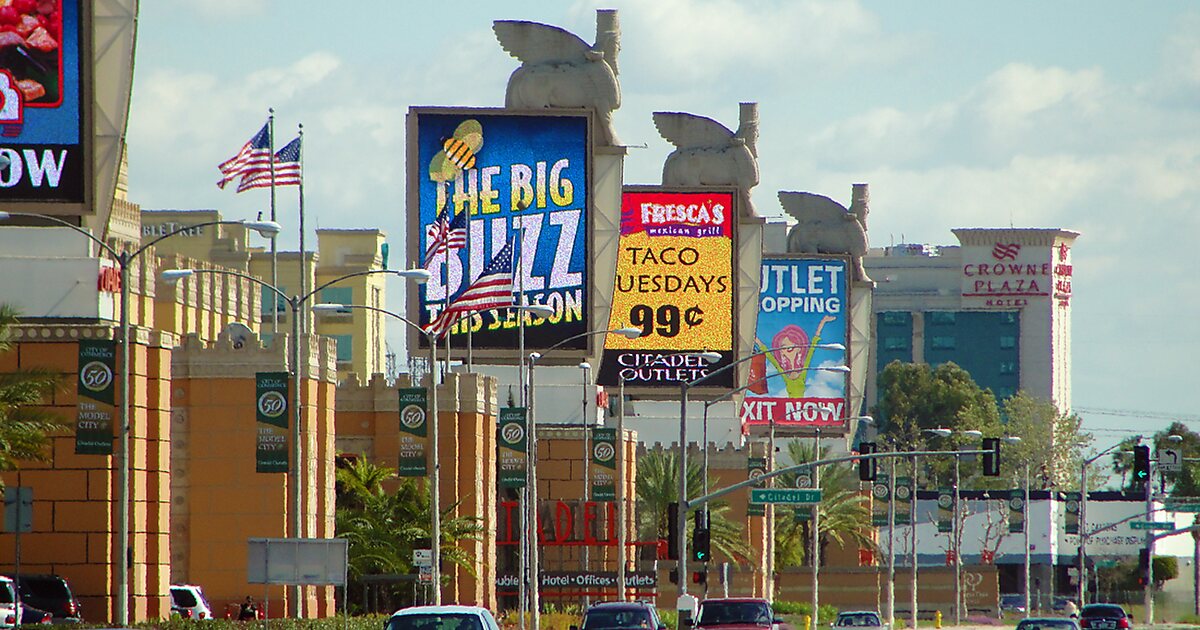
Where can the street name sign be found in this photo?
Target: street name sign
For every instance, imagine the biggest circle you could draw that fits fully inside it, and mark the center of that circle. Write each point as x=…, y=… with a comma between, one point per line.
x=788, y=496
x=1151, y=525
x=1181, y=507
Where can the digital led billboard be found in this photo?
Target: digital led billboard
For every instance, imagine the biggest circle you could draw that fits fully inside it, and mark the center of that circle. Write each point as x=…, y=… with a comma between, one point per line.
x=42, y=102
x=675, y=284
x=484, y=179
x=803, y=309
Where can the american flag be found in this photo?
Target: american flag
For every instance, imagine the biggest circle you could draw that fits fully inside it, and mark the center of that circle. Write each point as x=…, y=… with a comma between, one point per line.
x=287, y=170
x=452, y=236
x=253, y=156
x=493, y=289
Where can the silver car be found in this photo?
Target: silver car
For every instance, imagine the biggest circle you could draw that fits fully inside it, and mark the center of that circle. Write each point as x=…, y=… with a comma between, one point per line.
x=867, y=619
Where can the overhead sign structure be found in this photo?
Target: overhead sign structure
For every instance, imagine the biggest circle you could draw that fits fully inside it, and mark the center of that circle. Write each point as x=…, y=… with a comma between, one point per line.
x=45, y=107
x=675, y=283
x=786, y=496
x=480, y=179
x=803, y=306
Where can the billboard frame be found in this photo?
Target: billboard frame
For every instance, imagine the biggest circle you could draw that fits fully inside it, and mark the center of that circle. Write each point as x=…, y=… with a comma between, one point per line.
x=703, y=391
x=499, y=356
x=786, y=431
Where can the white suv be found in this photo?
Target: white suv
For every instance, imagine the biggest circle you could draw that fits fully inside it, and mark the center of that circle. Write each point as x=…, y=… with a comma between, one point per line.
x=9, y=617
x=187, y=601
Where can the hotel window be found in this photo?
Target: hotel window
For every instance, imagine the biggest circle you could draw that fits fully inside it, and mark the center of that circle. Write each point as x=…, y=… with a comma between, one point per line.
x=1008, y=367
x=345, y=347
x=941, y=342
x=1008, y=342
x=895, y=343
x=1008, y=317
x=338, y=295
x=941, y=317
x=895, y=318
x=269, y=297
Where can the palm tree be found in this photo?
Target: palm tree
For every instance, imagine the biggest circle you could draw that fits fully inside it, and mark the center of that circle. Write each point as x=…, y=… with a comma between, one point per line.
x=845, y=516
x=383, y=527
x=25, y=429
x=658, y=487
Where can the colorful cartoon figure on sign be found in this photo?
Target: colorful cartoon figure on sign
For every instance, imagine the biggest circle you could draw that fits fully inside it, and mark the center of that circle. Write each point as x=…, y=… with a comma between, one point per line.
x=790, y=352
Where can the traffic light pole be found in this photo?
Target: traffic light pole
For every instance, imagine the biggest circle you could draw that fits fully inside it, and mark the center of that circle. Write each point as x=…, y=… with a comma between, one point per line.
x=1148, y=592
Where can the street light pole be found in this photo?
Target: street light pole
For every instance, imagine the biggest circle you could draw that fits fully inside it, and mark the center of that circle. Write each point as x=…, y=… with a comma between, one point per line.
x=957, y=546
x=912, y=550
x=621, y=534
x=815, y=531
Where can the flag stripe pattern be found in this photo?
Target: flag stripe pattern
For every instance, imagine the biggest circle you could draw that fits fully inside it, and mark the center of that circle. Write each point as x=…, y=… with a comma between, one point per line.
x=453, y=237
x=254, y=155
x=287, y=170
x=493, y=289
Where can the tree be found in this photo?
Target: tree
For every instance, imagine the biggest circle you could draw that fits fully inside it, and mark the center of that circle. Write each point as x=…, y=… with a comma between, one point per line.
x=384, y=527
x=914, y=397
x=1048, y=437
x=845, y=515
x=25, y=428
x=658, y=487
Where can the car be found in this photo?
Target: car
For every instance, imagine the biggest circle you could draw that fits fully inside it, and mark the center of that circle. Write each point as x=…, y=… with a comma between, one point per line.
x=733, y=613
x=441, y=618
x=51, y=593
x=1047, y=623
x=1012, y=603
x=620, y=615
x=8, y=604
x=1103, y=617
x=188, y=601
x=858, y=619
x=35, y=616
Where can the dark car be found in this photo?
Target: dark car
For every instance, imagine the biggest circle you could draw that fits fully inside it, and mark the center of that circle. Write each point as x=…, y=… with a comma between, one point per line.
x=35, y=616
x=622, y=615
x=736, y=613
x=50, y=593
x=1047, y=623
x=1103, y=617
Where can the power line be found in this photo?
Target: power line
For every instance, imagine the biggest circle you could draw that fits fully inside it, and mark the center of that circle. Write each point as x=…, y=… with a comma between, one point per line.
x=1129, y=413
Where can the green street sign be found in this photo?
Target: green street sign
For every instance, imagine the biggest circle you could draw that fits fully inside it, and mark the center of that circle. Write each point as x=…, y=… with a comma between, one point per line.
x=790, y=496
x=1182, y=507
x=1151, y=525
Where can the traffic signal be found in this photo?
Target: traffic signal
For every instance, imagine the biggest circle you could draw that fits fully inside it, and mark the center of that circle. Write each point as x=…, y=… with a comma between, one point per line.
x=1141, y=463
x=1143, y=568
x=991, y=459
x=673, y=531
x=700, y=577
x=701, y=540
x=866, y=467
x=674, y=576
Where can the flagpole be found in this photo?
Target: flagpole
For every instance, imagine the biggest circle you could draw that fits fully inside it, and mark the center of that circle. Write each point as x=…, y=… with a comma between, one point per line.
x=274, y=247
x=303, y=268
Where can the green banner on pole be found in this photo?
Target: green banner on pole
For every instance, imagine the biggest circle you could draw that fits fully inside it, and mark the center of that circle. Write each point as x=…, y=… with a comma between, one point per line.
x=271, y=413
x=903, y=500
x=414, y=438
x=945, y=503
x=95, y=410
x=604, y=459
x=881, y=498
x=513, y=441
x=1016, y=511
x=1073, y=500
x=756, y=467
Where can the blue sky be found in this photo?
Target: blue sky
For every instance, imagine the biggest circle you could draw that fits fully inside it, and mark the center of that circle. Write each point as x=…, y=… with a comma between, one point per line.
x=1079, y=115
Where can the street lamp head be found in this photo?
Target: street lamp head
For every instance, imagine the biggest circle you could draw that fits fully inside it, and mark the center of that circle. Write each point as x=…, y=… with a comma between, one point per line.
x=865, y=419
x=834, y=368
x=171, y=276
x=585, y=366
x=328, y=308
x=831, y=346
x=265, y=229
x=537, y=310
x=420, y=276
x=942, y=433
x=709, y=356
x=534, y=356
x=629, y=333
x=1011, y=439
x=1175, y=439
x=4, y=216
x=972, y=433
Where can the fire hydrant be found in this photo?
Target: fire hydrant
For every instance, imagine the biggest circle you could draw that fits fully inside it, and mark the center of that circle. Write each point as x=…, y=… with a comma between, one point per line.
x=808, y=623
x=937, y=619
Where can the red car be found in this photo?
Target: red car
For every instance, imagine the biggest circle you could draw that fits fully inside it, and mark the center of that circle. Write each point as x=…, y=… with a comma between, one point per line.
x=736, y=613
